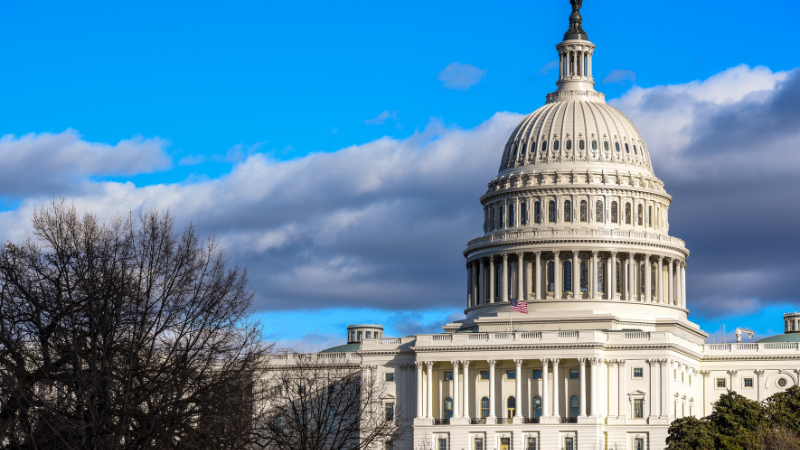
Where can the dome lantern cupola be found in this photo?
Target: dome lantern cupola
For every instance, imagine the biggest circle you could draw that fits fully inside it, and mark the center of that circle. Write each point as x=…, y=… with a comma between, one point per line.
x=575, y=58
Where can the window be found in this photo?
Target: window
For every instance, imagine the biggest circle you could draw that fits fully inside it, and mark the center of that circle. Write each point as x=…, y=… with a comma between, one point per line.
x=511, y=405
x=523, y=213
x=638, y=408
x=638, y=444
x=627, y=213
x=551, y=283
x=639, y=215
x=537, y=212
x=634, y=149
x=584, y=268
x=442, y=443
x=389, y=445
x=638, y=372
x=537, y=374
x=501, y=217
x=674, y=374
x=614, y=212
x=388, y=377
x=484, y=407
x=616, y=146
x=448, y=376
x=583, y=211
x=650, y=216
x=594, y=144
x=690, y=380
x=569, y=443
x=781, y=382
x=567, y=211
x=627, y=150
x=484, y=375
x=581, y=145
x=278, y=390
x=388, y=409
x=537, y=407
x=369, y=335
x=605, y=145
x=551, y=212
x=601, y=272
x=359, y=335
x=544, y=146
x=569, y=144
x=574, y=373
x=512, y=220
x=720, y=383
x=598, y=214
x=478, y=444
x=448, y=408
x=748, y=382
x=617, y=278
x=511, y=374
x=555, y=144
x=567, y=275
x=574, y=406
x=530, y=443
x=682, y=374
x=278, y=421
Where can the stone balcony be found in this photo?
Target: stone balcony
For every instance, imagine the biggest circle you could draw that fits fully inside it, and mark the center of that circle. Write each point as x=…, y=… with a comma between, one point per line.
x=568, y=233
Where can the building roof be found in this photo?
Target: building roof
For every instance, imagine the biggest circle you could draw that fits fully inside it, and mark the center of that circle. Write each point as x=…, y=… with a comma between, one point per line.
x=343, y=348
x=786, y=337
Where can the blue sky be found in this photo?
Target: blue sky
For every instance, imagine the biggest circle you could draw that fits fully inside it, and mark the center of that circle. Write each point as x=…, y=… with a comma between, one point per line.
x=216, y=110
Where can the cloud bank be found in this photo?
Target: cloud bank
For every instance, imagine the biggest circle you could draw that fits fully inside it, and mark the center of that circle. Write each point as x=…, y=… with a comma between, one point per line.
x=461, y=76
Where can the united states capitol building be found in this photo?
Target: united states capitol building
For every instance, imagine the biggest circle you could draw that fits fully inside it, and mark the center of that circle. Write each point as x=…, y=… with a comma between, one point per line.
x=576, y=223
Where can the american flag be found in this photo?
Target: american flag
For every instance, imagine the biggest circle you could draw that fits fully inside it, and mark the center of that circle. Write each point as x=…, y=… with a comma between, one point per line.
x=519, y=306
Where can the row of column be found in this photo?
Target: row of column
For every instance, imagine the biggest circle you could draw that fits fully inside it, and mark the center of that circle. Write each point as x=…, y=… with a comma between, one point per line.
x=578, y=64
x=481, y=285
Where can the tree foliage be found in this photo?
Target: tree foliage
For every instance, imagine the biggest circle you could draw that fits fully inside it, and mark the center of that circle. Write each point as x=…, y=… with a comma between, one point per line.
x=124, y=334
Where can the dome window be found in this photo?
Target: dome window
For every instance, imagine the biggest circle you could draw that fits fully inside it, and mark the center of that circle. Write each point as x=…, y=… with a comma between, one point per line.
x=569, y=144
x=639, y=213
x=584, y=207
x=594, y=145
x=544, y=146
x=555, y=144
x=567, y=265
x=537, y=212
x=512, y=220
x=523, y=213
x=551, y=276
x=605, y=145
x=567, y=210
x=627, y=150
x=501, y=217
x=634, y=149
x=601, y=271
x=616, y=145
x=627, y=213
x=584, y=275
x=522, y=151
x=614, y=218
x=598, y=216
x=551, y=212
x=581, y=144
x=650, y=216
x=533, y=147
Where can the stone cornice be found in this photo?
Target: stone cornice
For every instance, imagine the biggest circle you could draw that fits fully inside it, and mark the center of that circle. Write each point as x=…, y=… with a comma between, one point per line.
x=495, y=241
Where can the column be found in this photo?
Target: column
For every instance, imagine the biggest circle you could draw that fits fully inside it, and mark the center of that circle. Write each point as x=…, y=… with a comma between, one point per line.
x=683, y=285
x=576, y=275
x=602, y=388
x=538, y=276
x=622, y=413
x=670, y=284
x=482, y=283
x=648, y=282
x=759, y=374
x=557, y=277
x=469, y=285
x=556, y=382
x=492, y=398
x=520, y=286
x=504, y=283
x=659, y=280
x=528, y=279
x=518, y=390
x=419, y=388
x=455, y=389
x=593, y=403
x=466, y=383
x=664, y=385
x=545, y=388
x=593, y=279
x=652, y=395
x=613, y=389
x=582, y=362
x=429, y=412
x=560, y=66
x=589, y=63
x=612, y=276
x=631, y=278
x=492, y=290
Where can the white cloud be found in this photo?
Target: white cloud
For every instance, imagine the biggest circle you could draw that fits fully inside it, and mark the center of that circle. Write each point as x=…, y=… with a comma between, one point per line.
x=461, y=76
x=549, y=67
x=380, y=119
x=620, y=76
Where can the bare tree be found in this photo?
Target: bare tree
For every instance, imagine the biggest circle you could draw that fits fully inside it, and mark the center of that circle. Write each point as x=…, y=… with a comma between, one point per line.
x=330, y=402
x=124, y=334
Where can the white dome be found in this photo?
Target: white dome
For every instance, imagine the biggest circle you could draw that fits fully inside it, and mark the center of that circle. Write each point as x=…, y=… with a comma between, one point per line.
x=586, y=131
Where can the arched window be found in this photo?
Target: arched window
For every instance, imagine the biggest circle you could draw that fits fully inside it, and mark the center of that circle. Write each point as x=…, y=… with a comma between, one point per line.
x=522, y=151
x=511, y=405
x=627, y=213
x=501, y=217
x=569, y=144
x=533, y=147
x=485, y=220
x=567, y=211
x=491, y=218
x=581, y=144
x=574, y=406
x=567, y=275
x=605, y=145
x=601, y=272
x=583, y=213
x=650, y=216
x=511, y=219
x=634, y=150
x=551, y=277
x=627, y=150
x=551, y=213
x=523, y=213
x=537, y=212
x=616, y=145
x=555, y=144
x=614, y=218
x=544, y=146
x=598, y=216
x=448, y=408
x=653, y=270
x=537, y=407
x=484, y=407
x=594, y=144
x=641, y=278
x=584, y=276
x=618, y=283
x=639, y=214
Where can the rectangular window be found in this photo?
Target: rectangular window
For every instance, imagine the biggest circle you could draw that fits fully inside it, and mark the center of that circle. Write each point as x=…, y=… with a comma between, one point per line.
x=478, y=444
x=682, y=377
x=484, y=375
x=389, y=445
x=278, y=390
x=720, y=383
x=511, y=374
x=388, y=408
x=369, y=334
x=389, y=377
x=448, y=376
x=638, y=444
x=638, y=372
x=674, y=374
x=748, y=382
x=569, y=443
x=359, y=335
x=638, y=408
x=537, y=374
x=531, y=444
x=442, y=443
x=574, y=373
x=690, y=380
